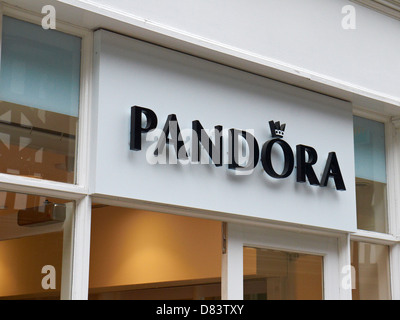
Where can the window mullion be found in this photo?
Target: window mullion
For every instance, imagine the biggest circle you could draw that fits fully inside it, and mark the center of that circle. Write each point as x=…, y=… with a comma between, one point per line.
x=83, y=148
x=43, y=187
x=81, y=250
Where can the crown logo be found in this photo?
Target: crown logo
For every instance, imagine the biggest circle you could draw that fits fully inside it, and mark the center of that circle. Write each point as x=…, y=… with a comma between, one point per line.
x=277, y=130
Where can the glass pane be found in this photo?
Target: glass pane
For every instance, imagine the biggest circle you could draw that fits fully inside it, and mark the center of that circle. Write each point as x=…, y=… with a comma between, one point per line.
x=36, y=143
x=279, y=275
x=39, y=92
x=369, y=145
x=40, y=68
x=371, y=205
x=141, y=255
x=372, y=274
x=35, y=244
x=370, y=163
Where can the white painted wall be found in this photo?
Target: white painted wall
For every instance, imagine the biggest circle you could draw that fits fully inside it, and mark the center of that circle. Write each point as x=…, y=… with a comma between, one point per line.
x=306, y=34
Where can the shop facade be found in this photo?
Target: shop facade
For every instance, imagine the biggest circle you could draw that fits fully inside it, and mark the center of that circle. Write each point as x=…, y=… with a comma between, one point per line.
x=139, y=162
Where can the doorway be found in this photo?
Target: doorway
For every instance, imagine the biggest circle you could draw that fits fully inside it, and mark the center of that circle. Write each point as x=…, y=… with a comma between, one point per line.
x=272, y=264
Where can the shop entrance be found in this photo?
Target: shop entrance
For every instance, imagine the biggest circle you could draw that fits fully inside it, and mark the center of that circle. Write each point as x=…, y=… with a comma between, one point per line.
x=263, y=263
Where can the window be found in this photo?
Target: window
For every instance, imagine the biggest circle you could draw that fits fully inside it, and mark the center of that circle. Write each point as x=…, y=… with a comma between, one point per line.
x=370, y=259
x=372, y=276
x=35, y=246
x=141, y=255
x=39, y=101
x=370, y=165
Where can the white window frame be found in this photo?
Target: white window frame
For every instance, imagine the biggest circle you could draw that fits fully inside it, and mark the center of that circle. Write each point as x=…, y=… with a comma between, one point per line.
x=78, y=192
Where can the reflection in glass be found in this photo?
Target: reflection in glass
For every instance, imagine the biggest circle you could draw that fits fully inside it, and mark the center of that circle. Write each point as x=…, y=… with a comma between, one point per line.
x=36, y=143
x=35, y=246
x=371, y=271
x=371, y=205
x=279, y=275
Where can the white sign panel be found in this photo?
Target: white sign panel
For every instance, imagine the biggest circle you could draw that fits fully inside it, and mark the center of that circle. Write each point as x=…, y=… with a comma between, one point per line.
x=279, y=153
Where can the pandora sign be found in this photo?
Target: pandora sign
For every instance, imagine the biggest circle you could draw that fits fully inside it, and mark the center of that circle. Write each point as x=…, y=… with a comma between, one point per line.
x=243, y=150
x=175, y=133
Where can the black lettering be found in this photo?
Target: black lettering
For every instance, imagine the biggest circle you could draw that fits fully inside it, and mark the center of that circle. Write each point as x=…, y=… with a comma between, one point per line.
x=267, y=163
x=304, y=168
x=201, y=137
x=254, y=150
x=136, y=125
x=172, y=127
x=332, y=169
